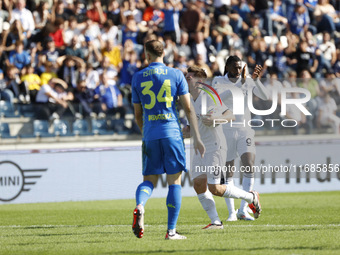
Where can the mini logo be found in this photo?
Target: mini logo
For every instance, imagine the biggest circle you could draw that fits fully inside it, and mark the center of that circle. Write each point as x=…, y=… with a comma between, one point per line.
x=146, y=191
x=171, y=206
x=208, y=92
x=14, y=180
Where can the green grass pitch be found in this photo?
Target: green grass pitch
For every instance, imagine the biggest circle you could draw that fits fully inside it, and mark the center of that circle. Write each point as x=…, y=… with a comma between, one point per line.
x=291, y=223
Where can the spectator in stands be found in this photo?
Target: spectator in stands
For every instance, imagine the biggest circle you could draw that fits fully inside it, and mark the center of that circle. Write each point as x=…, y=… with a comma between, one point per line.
x=79, y=11
x=200, y=47
x=129, y=8
x=109, y=32
x=5, y=93
x=71, y=70
x=113, y=54
x=305, y=59
x=183, y=45
x=326, y=17
x=113, y=12
x=170, y=51
x=294, y=113
x=181, y=62
x=83, y=100
x=171, y=19
x=262, y=9
x=73, y=49
x=131, y=31
x=14, y=34
x=111, y=100
x=19, y=57
x=73, y=30
x=92, y=77
x=279, y=20
x=49, y=72
x=110, y=70
x=25, y=16
x=14, y=84
x=58, y=33
x=306, y=81
x=49, y=103
x=299, y=22
x=328, y=52
x=41, y=15
x=91, y=53
x=32, y=82
x=92, y=31
x=327, y=112
x=96, y=13
x=190, y=19
x=199, y=61
x=221, y=33
x=60, y=11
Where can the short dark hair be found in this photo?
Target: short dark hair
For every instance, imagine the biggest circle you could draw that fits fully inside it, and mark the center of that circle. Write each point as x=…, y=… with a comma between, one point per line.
x=198, y=72
x=154, y=47
x=231, y=60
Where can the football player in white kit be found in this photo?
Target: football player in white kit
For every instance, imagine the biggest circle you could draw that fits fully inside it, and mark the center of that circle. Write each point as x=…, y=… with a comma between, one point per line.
x=215, y=156
x=240, y=137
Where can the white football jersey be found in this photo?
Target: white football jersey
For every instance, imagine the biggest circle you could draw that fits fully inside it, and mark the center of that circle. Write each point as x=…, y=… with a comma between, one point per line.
x=212, y=137
x=220, y=84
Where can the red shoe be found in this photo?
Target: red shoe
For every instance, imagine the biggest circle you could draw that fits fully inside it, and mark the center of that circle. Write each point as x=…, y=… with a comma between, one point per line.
x=138, y=221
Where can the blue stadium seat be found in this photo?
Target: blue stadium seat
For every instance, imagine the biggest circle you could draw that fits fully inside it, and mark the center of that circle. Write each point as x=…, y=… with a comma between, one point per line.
x=40, y=128
x=81, y=127
x=4, y=131
x=7, y=110
x=119, y=127
x=27, y=110
x=61, y=128
x=100, y=127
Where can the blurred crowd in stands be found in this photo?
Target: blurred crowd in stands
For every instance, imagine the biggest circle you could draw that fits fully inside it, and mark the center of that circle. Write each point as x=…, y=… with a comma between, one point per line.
x=80, y=56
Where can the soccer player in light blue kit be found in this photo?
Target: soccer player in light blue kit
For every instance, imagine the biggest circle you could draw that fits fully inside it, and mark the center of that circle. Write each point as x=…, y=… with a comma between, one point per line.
x=154, y=93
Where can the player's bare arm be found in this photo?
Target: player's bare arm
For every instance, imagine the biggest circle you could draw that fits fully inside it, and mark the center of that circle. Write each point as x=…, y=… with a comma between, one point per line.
x=259, y=89
x=191, y=116
x=208, y=120
x=139, y=115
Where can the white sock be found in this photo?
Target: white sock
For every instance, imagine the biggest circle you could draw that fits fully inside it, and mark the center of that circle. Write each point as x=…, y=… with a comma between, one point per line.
x=172, y=231
x=234, y=192
x=247, y=185
x=208, y=204
x=230, y=201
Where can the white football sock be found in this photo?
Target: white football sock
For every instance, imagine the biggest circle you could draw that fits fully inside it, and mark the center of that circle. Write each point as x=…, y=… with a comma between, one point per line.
x=247, y=184
x=230, y=201
x=172, y=231
x=208, y=203
x=234, y=192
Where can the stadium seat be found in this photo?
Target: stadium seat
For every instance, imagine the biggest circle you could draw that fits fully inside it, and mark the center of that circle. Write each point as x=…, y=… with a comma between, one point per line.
x=7, y=110
x=61, y=128
x=100, y=127
x=119, y=127
x=81, y=127
x=40, y=128
x=27, y=110
x=4, y=131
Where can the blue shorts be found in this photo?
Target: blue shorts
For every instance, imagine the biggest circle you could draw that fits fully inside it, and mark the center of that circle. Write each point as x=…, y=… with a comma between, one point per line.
x=165, y=155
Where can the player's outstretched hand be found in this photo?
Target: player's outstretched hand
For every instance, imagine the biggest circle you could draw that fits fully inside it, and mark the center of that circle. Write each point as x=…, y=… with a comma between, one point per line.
x=243, y=74
x=199, y=147
x=257, y=72
x=186, y=132
x=207, y=120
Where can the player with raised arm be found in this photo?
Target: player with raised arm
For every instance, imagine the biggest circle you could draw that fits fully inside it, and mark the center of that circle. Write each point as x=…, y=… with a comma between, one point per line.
x=215, y=156
x=240, y=138
x=154, y=93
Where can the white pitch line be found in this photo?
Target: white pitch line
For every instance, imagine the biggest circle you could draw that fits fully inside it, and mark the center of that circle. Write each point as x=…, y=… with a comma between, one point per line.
x=129, y=225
